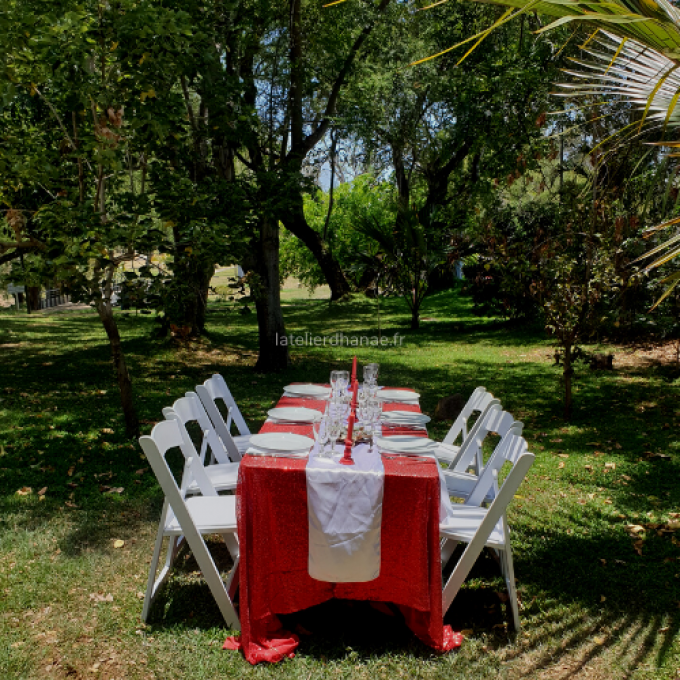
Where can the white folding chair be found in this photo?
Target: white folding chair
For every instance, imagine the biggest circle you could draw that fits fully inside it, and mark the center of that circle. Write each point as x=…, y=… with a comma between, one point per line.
x=461, y=484
x=470, y=454
x=461, y=428
x=480, y=527
x=209, y=392
x=189, y=519
x=224, y=474
x=478, y=401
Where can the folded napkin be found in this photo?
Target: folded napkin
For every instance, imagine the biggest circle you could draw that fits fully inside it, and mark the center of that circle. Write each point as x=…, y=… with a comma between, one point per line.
x=345, y=514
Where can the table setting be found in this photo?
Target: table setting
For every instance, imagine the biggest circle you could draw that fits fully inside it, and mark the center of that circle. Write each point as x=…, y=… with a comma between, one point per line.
x=339, y=496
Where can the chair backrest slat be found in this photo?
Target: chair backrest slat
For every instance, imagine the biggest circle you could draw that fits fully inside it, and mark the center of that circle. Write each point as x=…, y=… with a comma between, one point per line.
x=189, y=409
x=479, y=400
x=509, y=449
x=218, y=389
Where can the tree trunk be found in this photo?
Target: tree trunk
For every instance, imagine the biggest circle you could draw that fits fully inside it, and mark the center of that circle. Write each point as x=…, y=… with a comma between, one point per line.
x=122, y=375
x=415, y=319
x=273, y=354
x=33, y=298
x=567, y=374
x=295, y=221
x=194, y=277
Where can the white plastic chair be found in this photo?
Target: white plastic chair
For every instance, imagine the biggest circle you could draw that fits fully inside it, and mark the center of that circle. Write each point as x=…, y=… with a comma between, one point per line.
x=483, y=402
x=461, y=484
x=209, y=392
x=470, y=453
x=189, y=519
x=224, y=474
x=480, y=527
x=478, y=401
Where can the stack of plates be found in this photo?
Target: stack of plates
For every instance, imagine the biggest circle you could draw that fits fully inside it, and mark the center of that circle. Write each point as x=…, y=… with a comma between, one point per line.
x=404, y=418
x=398, y=395
x=295, y=415
x=280, y=444
x=315, y=391
x=406, y=445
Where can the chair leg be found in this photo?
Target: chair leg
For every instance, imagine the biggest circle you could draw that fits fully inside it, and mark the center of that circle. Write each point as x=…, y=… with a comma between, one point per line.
x=509, y=574
x=512, y=593
x=151, y=585
x=231, y=541
x=447, y=549
x=212, y=577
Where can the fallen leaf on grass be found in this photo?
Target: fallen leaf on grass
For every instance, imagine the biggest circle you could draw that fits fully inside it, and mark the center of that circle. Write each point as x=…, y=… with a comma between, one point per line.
x=637, y=546
x=610, y=466
x=68, y=504
x=561, y=465
x=99, y=597
x=467, y=632
x=106, y=430
x=118, y=543
x=603, y=598
x=634, y=529
x=556, y=441
x=140, y=596
x=588, y=467
x=71, y=470
x=599, y=640
x=24, y=491
x=42, y=491
x=140, y=472
x=116, y=489
x=563, y=455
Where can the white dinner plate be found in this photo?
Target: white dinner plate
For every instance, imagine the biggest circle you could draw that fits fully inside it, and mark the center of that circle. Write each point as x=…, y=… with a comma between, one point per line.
x=406, y=444
x=277, y=454
x=281, y=441
x=308, y=391
x=405, y=418
x=398, y=395
x=295, y=415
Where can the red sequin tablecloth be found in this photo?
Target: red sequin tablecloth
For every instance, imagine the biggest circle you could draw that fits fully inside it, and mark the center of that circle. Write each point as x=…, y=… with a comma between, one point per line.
x=273, y=531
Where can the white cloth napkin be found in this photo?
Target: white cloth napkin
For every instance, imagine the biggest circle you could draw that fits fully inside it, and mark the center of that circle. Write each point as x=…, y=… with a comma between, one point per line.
x=345, y=515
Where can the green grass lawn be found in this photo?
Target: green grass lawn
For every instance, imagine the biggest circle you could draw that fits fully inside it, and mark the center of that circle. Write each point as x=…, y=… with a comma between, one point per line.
x=596, y=601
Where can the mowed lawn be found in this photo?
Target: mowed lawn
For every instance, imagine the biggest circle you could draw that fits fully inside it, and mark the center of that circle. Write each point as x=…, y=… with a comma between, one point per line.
x=597, y=554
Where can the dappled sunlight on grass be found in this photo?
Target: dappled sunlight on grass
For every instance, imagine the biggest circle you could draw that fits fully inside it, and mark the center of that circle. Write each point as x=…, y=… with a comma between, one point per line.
x=599, y=599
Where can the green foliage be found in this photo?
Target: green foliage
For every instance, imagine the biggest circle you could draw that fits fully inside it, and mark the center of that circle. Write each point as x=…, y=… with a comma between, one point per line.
x=364, y=199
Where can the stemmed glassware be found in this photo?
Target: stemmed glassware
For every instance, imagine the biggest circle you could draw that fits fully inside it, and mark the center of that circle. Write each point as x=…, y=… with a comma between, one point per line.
x=371, y=374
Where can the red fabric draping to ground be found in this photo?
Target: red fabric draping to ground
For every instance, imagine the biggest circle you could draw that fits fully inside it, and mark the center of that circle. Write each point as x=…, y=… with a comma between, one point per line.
x=274, y=549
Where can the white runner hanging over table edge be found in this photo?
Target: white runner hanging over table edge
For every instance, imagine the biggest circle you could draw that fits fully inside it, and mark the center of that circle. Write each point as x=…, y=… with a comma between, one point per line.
x=344, y=505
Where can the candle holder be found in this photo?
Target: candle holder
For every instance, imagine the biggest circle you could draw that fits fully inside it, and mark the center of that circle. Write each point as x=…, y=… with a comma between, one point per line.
x=347, y=457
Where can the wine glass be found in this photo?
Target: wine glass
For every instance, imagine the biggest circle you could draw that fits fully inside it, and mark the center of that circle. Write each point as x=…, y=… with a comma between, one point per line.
x=371, y=373
x=321, y=436
x=342, y=381
x=334, y=430
x=334, y=381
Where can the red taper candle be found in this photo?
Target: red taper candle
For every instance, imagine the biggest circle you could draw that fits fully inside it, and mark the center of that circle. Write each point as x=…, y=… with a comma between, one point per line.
x=347, y=458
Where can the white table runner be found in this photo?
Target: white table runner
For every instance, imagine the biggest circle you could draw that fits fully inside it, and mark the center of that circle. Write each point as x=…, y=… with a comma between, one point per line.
x=345, y=515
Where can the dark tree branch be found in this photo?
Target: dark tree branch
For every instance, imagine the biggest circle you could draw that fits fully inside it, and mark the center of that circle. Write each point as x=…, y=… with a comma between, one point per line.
x=305, y=145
